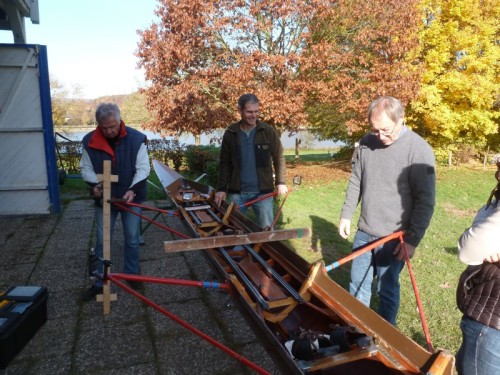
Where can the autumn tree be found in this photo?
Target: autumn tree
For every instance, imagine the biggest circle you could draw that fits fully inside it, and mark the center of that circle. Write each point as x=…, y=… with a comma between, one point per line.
x=461, y=50
x=58, y=95
x=362, y=50
x=67, y=108
x=133, y=109
x=315, y=61
x=203, y=54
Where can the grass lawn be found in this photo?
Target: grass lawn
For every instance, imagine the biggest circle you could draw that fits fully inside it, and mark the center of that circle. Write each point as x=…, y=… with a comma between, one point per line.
x=317, y=203
x=318, y=155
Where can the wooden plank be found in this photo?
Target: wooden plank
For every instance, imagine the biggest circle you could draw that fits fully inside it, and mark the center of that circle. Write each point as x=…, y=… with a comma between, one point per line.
x=233, y=240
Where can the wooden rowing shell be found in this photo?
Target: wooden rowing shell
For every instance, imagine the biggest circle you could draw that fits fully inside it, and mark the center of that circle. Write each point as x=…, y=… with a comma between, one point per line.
x=308, y=322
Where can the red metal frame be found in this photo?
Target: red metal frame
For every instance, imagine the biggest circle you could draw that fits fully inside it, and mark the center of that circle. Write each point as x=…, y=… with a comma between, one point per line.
x=116, y=277
x=123, y=206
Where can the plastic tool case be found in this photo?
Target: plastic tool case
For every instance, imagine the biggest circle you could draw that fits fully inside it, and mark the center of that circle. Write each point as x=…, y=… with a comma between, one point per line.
x=23, y=310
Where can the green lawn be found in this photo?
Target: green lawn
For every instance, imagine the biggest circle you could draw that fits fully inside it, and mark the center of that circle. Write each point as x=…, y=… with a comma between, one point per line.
x=310, y=155
x=460, y=192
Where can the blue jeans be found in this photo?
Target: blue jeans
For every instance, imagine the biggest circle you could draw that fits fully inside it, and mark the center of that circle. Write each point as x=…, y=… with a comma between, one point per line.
x=479, y=353
x=131, y=230
x=264, y=209
x=381, y=263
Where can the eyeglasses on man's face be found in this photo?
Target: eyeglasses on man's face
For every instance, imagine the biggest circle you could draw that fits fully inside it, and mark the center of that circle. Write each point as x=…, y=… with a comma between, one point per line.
x=383, y=132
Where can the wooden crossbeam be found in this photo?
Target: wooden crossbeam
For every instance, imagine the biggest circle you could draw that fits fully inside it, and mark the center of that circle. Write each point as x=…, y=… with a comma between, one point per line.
x=233, y=240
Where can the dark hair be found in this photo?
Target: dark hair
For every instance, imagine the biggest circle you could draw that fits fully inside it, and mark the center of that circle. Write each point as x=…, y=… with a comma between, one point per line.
x=247, y=98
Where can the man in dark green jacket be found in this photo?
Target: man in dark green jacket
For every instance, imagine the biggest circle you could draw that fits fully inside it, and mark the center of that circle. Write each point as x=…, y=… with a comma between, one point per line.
x=252, y=163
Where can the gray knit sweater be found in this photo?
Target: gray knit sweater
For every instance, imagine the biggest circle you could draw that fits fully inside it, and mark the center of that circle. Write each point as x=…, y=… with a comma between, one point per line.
x=395, y=185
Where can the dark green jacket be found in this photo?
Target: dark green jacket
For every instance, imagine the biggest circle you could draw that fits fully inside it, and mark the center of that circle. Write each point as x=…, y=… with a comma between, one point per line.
x=268, y=155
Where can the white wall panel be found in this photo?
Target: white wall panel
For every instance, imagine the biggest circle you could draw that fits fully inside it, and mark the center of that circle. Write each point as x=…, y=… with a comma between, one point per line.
x=28, y=170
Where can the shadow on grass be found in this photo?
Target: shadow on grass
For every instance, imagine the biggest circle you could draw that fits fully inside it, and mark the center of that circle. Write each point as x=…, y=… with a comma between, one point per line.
x=451, y=250
x=333, y=248
x=419, y=338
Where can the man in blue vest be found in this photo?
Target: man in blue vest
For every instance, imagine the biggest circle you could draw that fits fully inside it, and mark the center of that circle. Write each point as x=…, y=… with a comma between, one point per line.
x=127, y=150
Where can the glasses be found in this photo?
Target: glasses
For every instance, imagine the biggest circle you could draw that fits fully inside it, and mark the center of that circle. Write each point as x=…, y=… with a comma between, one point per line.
x=383, y=132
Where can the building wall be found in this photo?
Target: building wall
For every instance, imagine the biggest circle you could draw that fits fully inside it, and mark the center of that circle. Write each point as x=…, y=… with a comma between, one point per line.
x=28, y=167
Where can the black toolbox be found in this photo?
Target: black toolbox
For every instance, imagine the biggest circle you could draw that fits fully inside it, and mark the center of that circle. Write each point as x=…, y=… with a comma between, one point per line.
x=23, y=310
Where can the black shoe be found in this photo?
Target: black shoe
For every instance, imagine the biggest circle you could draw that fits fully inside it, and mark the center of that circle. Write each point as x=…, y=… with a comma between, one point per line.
x=136, y=285
x=91, y=292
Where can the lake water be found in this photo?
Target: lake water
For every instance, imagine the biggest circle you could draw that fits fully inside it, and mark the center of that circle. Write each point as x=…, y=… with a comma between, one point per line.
x=308, y=140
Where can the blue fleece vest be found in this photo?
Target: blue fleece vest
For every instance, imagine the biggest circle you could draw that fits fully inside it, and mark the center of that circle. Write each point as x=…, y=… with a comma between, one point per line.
x=126, y=149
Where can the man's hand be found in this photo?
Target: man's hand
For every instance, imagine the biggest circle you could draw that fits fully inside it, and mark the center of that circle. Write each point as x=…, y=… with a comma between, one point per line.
x=220, y=196
x=344, y=228
x=495, y=258
x=400, y=254
x=97, y=191
x=129, y=195
x=282, y=189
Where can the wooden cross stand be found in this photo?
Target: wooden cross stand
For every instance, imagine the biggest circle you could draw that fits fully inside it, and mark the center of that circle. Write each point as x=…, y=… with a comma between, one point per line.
x=107, y=178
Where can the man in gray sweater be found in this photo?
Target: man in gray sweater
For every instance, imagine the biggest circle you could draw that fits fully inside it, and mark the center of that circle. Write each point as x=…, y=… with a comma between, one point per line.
x=393, y=176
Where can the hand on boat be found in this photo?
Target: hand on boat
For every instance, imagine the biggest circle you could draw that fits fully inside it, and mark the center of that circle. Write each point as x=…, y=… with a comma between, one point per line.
x=219, y=197
x=400, y=254
x=345, y=228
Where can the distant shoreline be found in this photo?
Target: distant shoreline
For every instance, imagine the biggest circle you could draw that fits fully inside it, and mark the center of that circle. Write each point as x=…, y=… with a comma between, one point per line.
x=76, y=133
x=83, y=128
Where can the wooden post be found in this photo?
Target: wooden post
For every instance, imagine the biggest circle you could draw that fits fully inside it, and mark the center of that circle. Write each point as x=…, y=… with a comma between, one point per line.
x=485, y=161
x=107, y=178
x=297, y=143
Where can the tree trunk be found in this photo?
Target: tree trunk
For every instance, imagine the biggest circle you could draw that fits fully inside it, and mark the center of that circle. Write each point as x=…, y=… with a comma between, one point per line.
x=485, y=161
x=297, y=143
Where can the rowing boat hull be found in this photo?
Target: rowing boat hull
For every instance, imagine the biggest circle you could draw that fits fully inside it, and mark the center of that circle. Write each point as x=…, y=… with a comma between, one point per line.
x=283, y=296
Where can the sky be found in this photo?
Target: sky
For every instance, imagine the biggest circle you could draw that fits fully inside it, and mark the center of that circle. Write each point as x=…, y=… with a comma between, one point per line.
x=91, y=43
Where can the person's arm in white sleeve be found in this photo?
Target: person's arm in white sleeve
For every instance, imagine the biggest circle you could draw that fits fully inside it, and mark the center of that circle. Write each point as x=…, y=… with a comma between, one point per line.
x=482, y=240
x=142, y=166
x=87, y=169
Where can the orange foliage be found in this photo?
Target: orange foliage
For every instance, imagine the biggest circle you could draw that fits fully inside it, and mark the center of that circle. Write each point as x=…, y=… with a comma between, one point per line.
x=203, y=54
x=363, y=50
